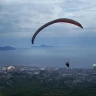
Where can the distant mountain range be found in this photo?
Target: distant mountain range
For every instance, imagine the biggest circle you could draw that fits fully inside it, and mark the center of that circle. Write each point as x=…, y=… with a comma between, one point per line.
x=7, y=48
x=45, y=46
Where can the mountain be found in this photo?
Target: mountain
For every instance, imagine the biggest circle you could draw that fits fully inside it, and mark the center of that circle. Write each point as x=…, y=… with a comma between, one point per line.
x=44, y=46
x=7, y=48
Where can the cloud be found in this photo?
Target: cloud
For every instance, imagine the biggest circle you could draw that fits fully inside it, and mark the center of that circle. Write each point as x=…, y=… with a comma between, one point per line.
x=23, y=18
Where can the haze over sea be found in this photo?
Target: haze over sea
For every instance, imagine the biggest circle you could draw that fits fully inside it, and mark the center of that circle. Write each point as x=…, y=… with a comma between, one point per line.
x=79, y=57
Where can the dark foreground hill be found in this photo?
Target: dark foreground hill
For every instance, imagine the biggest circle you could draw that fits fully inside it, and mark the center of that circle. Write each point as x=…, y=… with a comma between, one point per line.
x=47, y=83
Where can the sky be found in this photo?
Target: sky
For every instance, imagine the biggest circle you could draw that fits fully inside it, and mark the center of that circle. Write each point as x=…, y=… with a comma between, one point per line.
x=19, y=19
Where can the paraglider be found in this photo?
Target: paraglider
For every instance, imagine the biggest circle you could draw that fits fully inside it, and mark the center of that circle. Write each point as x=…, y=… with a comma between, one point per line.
x=94, y=65
x=64, y=20
x=67, y=63
x=10, y=68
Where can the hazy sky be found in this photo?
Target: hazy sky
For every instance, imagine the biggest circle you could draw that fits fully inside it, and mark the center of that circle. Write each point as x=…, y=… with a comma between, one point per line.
x=19, y=19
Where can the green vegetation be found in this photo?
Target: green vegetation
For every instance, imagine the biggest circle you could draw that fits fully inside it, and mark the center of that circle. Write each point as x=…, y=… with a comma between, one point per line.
x=36, y=85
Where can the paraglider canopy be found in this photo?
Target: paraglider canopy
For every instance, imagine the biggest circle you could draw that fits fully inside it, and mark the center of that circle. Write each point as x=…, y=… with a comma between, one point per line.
x=94, y=65
x=64, y=20
x=10, y=68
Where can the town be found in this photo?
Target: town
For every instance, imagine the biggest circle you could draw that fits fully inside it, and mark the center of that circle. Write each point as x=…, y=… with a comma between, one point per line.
x=46, y=81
